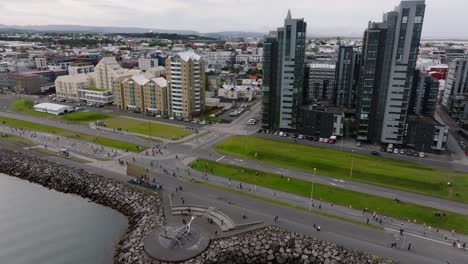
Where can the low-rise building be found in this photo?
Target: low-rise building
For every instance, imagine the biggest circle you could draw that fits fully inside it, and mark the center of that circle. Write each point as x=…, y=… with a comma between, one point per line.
x=322, y=121
x=53, y=109
x=145, y=64
x=79, y=68
x=236, y=92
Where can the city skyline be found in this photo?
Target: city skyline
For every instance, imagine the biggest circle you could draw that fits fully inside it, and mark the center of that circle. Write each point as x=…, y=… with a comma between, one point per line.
x=324, y=19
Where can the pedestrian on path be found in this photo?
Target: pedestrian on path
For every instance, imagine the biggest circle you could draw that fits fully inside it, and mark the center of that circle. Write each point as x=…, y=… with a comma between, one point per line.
x=409, y=246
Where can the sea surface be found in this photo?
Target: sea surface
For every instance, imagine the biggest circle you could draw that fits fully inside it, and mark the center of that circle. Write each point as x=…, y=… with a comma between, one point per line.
x=42, y=226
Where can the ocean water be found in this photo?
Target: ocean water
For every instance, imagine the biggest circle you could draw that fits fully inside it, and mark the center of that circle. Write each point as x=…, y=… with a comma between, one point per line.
x=42, y=226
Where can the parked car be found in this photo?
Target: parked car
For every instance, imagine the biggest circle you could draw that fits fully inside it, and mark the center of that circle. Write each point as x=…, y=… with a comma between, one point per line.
x=321, y=139
x=301, y=137
x=402, y=151
x=375, y=153
x=422, y=155
x=325, y=140
x=395, y=151
x=358, y=144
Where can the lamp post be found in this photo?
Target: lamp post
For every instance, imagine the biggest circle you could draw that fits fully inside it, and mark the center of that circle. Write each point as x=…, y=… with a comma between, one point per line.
x=312, y=192
x=352, y=164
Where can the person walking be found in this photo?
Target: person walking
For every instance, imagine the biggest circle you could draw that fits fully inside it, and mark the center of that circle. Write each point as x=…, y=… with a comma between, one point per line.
x=409, y=246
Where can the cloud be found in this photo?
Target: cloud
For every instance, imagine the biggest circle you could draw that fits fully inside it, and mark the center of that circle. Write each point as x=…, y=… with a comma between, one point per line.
x=337, y=16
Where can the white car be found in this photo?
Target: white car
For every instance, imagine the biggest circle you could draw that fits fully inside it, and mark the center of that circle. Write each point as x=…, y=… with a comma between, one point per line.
x=396, y=151
x=422, y=155
x=325, y=140
x=321, y=139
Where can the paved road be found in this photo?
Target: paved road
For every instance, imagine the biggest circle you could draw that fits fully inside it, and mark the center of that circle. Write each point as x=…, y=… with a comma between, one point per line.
x=352, y=236
x=428, y=249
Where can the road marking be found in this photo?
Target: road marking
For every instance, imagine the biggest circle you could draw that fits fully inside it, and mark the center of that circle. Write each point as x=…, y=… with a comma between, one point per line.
x=220, y=159
x=421, y=237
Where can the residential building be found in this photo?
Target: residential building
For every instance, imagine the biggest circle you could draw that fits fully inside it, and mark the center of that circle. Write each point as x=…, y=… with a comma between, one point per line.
x=390, y=50
x=346, y=77
x=452, y=54
x=59, y=64
x=424, y=95
x=424, y=132
x=185, y=73
x=145, y=64
x=217, y=59
x=69, y=86
x=236, y=92
x=41, y=63
x=283, y=77
x=456, y=88
x=142, y=94
x=80, y=87
x=108, y=70
x=80, y=68
x=321, y=81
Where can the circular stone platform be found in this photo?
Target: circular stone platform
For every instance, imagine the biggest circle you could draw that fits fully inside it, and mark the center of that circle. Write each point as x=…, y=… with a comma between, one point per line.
x=159, y=246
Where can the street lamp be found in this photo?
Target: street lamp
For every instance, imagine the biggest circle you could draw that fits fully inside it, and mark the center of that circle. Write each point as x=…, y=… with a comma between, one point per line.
x=352, y=164
x=312, y=192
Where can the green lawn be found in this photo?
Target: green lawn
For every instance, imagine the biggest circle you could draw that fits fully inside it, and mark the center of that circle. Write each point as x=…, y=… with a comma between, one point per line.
x=370, y=169
x=16, y=123
x=145, y=127
x=25, y=106
x=336, y=195
x=85, y=117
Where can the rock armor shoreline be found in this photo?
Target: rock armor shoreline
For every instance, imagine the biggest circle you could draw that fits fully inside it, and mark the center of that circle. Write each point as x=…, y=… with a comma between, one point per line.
x=145, y=212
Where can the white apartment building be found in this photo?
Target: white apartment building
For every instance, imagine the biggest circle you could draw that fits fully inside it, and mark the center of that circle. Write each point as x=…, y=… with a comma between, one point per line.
x=80, y=68
x=79, y=87
x=69, y=86
x=107, y=70
x=145, y=64
x=217, y=59
x=246, y=58
x=41, y=63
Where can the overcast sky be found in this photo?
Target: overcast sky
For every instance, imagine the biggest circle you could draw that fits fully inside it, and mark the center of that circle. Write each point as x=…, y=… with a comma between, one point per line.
x=444, y=18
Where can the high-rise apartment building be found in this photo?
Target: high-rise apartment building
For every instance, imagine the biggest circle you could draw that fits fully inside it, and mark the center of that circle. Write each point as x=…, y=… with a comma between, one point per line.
x=321, y=81
x=347, y=77
x=282, y=91
x=456, y=89
x=186, y=80
x=388, y=63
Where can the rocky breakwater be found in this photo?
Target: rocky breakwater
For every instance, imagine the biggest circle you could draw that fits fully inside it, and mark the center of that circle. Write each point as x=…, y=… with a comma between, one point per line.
x=144, y=211
x=275, y=245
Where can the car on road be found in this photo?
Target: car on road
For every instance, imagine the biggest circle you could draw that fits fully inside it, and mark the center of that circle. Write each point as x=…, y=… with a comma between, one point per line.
x=422, y=155
x=402, y=151
x=395, y=151
x=301, y=137
x=375, y=153
x=325, y=140
x=252, y=122
x=321, y=139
